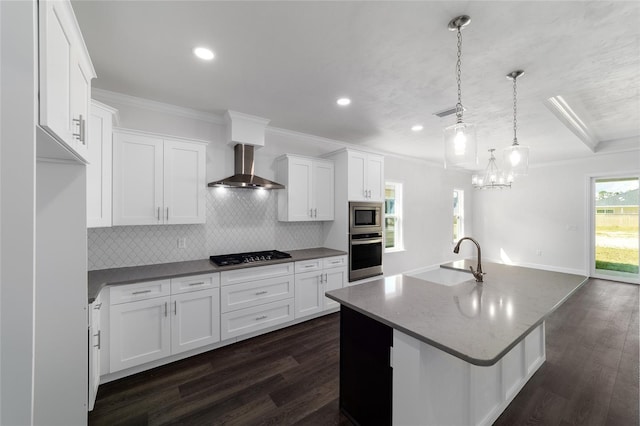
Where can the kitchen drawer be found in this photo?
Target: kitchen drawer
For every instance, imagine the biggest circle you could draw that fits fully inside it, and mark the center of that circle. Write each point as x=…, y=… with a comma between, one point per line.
x=334, y=262
x=236, y=276
x=194, y=283
x=139, y=291
x=247, y=320
x=308, y=265
x=253, y=293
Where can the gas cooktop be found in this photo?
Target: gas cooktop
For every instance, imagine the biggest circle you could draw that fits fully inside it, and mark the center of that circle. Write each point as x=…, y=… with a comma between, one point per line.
x=249, y=257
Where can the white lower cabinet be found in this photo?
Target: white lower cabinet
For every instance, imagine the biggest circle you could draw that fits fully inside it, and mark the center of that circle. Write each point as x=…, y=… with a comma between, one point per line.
x=315, y=278
x=248, y=320
x=196, y=320
x=256, y=298
x=95, y=344
x=152, y=320
x=140, y=332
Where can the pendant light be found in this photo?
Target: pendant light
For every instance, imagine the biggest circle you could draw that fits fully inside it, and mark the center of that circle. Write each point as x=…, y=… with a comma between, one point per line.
x=460, y=150
x=493, y=177
x=516, y=156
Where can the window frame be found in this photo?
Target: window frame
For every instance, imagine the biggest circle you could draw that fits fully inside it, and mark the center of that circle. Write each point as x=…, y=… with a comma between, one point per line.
x=398, y=215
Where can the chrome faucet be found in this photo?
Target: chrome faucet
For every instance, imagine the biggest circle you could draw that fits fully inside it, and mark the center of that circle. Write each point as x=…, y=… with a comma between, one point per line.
x=477, y=274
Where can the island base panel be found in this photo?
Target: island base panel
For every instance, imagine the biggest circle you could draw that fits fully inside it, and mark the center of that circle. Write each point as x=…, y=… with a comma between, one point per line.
x=365, y=371
x=432, y=387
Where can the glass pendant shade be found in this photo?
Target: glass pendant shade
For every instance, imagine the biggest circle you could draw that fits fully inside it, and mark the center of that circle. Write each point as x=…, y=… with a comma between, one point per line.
x=460, y=148
x=516, y=159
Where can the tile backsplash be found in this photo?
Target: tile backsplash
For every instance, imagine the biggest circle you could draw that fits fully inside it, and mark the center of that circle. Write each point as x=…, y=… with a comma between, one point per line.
x=237, y=220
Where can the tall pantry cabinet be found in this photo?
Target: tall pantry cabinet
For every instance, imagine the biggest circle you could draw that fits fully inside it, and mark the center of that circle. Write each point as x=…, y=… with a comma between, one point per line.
x=61, y=321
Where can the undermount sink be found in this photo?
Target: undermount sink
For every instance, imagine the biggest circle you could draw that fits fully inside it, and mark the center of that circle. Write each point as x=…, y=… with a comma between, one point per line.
x=442, y=276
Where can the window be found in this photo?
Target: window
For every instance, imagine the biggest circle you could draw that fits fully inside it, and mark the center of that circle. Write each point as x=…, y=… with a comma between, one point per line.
x=458, y=213
x=393, y=217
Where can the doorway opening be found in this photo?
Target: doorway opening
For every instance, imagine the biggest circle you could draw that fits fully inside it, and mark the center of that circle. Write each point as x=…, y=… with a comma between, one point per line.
x=615, y=223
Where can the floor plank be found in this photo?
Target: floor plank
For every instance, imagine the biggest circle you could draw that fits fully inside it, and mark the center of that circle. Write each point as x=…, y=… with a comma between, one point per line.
x=290, y=376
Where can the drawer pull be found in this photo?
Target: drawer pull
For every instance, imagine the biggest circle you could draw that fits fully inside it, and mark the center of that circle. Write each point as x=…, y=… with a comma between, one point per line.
x=141, y=292
x=261, y=317
x=200, y=283
x=261, y=292
x=309, y=266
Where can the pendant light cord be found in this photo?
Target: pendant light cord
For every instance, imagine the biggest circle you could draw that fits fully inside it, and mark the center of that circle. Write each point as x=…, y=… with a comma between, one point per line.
x=515, y=110
x=459, y=108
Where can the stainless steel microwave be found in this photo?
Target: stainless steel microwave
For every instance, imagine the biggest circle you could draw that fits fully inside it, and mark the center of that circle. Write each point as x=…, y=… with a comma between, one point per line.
x=365, y=217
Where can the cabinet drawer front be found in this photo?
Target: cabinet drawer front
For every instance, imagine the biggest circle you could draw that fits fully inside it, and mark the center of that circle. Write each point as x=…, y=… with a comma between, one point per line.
x=194, y=283
x=253, y=293
x=140, y=291
x=308, y=265
x=334, y=262
x=248, y=320
x=255, y=273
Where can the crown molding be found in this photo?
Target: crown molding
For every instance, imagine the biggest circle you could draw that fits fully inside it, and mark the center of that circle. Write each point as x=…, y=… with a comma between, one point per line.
x=108, y=96
x=563, y=112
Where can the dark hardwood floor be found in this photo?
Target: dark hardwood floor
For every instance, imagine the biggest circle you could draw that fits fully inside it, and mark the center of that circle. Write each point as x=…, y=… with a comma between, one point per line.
x=290, y=376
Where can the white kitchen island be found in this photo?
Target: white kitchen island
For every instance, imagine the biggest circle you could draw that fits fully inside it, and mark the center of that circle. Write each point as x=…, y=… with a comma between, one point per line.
x=414, y=352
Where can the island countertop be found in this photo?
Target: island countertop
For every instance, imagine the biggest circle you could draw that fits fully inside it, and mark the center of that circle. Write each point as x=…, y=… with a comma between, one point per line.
x=478, y=323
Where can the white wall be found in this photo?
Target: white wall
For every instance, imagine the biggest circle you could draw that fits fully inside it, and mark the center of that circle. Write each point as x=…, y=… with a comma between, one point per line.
x=427, y=213
x=17, y=198
x=545, y=212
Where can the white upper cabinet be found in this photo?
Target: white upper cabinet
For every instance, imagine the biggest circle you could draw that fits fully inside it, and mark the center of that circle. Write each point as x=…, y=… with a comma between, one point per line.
x=99, y=155
x=65, y=77
x=184, y=182
x=157, y=180
x=366, y=176
x=309, y=188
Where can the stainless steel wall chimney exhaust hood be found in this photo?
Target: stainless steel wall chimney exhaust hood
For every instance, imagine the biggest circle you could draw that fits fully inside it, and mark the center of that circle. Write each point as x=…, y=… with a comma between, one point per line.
x=245, y=132
x=243, y=168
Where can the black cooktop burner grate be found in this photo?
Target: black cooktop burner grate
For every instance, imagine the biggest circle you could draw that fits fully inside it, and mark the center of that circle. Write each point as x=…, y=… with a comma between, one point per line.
x=249, y=257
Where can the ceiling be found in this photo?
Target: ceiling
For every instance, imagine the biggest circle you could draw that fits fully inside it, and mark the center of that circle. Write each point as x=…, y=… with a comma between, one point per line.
x=289, y=62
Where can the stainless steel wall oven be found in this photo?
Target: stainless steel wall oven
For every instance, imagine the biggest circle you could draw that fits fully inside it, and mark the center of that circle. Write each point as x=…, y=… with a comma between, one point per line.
x=365, y=240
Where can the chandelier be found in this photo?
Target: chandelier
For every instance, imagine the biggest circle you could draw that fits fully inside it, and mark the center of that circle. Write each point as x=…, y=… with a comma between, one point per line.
x=460, y=149
x=493, y=177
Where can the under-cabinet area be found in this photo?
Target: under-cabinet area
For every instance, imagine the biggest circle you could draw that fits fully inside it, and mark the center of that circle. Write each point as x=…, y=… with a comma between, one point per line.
x=142, y=323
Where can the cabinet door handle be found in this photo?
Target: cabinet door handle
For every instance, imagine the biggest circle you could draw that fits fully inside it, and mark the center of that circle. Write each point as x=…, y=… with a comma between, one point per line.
x=81, y=128
x=310, y=212
x=261, y=317
x=83, y=137
x=167, y=214
x=141, y=292
x=165, y=309
x=158, y=214
x=175, y=307
x=198, y=283
x=315, y=212
x=97, y=307
x=261, y=292
x=99, y=339
x=326, y=278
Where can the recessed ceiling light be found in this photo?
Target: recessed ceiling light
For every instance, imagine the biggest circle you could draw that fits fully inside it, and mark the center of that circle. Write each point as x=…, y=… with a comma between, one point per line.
x=203, y=53
x=417, y=127
x=343, y=101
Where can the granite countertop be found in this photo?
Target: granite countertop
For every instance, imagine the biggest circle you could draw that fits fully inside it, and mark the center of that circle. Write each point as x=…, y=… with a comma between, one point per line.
x=99, y=278
x=478, y=323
